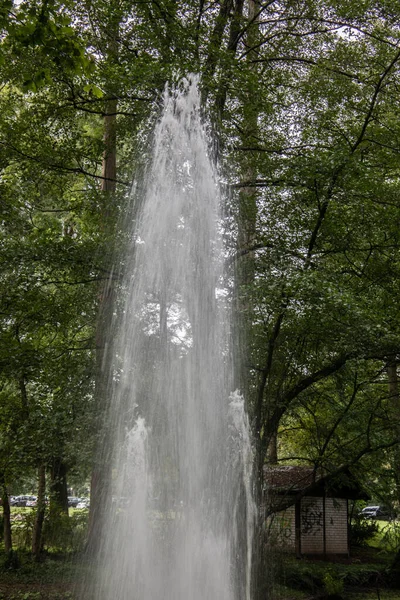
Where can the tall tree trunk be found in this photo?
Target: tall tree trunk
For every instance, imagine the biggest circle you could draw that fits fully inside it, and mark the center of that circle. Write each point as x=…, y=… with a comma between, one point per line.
x=248, y=210
x=234, y=29
x=214, y=46
x=6, y=516
x=245, y=268
x=40, y=512
x=101, y=473
x=394, y=404
x=58, y=486
x=394, y=398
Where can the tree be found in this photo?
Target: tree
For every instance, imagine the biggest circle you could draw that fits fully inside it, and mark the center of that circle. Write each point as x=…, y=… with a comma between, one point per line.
x=326, y=166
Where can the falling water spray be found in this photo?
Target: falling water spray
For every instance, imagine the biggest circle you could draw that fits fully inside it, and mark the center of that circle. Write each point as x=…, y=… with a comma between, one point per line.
x=179, y=526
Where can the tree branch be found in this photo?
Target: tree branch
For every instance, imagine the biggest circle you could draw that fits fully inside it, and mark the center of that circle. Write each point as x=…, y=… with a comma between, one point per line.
x=57, y=167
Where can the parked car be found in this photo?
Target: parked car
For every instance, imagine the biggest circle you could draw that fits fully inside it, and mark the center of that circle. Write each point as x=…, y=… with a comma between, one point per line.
x=73, y=501
x=376, y=512
x=18, y=501
x=84, y=503
x=21, y=500
x=32, y=502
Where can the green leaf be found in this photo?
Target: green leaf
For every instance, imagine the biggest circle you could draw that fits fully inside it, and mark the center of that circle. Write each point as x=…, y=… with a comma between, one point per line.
x=93, y=90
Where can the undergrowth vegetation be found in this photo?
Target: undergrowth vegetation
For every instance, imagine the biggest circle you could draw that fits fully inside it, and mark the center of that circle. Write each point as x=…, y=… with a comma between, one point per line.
x=55, y=578
x=62, y=533
x=362, y=531
x=306, y=578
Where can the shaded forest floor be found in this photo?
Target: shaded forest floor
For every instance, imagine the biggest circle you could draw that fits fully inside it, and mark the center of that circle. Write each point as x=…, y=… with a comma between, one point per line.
x=57, y=577
x=363, y=577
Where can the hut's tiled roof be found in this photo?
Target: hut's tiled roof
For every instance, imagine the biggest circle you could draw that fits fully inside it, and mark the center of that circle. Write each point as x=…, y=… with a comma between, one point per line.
x=289, y=477
x=293, y=479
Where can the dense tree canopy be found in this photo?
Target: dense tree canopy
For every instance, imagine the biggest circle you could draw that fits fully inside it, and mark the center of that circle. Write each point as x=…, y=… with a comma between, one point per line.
x=302, y=98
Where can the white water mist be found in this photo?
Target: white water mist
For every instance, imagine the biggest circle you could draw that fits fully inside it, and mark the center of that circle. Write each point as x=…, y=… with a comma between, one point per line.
x=180, y=524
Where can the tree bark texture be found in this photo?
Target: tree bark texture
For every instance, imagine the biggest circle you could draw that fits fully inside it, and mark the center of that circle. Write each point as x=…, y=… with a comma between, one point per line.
x=272, y=455
x=247, y=217
x=245, y=274
x=394, y=403
x=40, y=512
x=109, y=163
x=101, y=473
x=7, y=536
x=58, y=486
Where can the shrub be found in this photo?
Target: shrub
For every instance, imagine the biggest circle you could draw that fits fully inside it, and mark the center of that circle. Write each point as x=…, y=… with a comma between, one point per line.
x=390, y=540
x=63, y=533
x=11, y=561
x=362, y=530
x=333, y=586
x=22, y=529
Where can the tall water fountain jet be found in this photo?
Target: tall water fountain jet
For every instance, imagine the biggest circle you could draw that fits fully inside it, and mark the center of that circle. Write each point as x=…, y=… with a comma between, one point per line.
x=180, y=525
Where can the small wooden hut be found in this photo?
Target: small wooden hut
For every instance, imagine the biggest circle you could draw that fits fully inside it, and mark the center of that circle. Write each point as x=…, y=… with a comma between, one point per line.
x=307, y=512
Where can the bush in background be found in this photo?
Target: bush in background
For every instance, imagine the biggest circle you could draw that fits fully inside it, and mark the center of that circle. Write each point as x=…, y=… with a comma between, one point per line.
x=362, y=530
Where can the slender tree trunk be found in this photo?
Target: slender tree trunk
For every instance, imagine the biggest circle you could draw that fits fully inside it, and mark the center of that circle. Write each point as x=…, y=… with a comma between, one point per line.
x=109, y=164
x=234, y=29
x=214, y=46
x=7, y=536
x=40, y=512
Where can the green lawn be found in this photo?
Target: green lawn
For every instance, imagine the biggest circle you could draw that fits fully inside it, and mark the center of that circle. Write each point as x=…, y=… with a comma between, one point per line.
x=388, y=537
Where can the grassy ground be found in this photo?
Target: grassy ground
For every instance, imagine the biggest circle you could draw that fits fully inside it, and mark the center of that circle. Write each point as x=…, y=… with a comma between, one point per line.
x=388, y=536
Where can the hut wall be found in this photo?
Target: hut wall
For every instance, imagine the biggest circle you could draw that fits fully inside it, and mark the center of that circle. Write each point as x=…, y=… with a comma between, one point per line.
x=281, y=530
x=336, y=526
x=312, y=526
